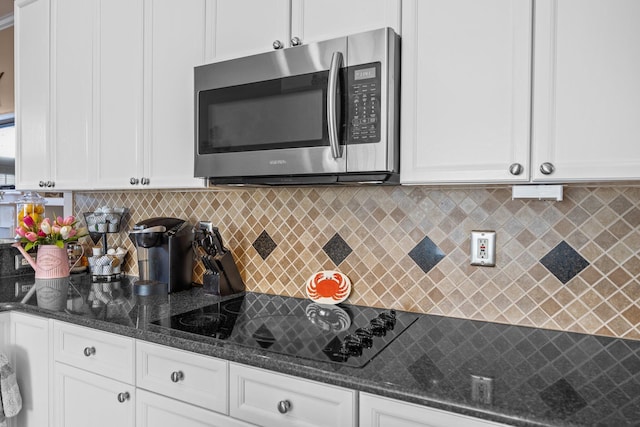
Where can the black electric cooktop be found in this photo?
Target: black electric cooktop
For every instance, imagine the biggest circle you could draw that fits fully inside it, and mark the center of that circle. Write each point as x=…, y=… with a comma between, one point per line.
x=342, y=333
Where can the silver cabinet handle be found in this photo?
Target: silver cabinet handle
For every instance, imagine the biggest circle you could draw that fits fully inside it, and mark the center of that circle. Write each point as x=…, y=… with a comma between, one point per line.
x=277, y=44
x=332, y=114
x=177, y=376
x=547, y=168
x=284, y=406
x=89, y=351
x=144, y=181
x=41, y=184
x=296, y=41
x=133, y=181
x=515, y=169
x=123, y=397
x=51, y=184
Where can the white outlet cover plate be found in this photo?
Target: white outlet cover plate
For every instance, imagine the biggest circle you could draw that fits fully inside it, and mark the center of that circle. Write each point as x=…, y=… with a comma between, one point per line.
x=490, y=259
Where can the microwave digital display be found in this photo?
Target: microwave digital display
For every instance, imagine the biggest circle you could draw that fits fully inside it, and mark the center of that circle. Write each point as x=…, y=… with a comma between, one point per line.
x=365, y=73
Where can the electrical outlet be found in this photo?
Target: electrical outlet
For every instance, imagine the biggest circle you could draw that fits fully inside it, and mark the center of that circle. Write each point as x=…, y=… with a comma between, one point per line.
x=483, y=248
x=481, y=389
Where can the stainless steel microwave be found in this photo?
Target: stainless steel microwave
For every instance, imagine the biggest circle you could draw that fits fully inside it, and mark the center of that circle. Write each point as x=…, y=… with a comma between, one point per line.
x=321, y=113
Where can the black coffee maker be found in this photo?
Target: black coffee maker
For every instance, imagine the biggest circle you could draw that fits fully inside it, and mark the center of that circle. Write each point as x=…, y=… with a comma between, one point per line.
x=164, y=250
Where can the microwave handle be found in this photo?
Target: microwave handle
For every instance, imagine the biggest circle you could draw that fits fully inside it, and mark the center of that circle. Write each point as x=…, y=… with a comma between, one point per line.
x=332, y=120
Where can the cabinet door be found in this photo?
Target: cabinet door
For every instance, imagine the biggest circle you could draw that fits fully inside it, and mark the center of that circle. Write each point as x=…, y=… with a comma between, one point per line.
x=33, y=156
x=586, y=90
x=316, y=20
x=246, y=27
x=119, y=87
x=466, y=76
x=72, y=92
x=82, y=398
x=31, y=358
x=175, y=42
x=153, y=410
x=378, y=411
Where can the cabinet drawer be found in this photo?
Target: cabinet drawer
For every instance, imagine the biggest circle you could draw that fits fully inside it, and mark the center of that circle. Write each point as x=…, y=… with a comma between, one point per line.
x=193, y=378
x=153, y=410
x=376, y=411
x=257, y=396
x=99, y=352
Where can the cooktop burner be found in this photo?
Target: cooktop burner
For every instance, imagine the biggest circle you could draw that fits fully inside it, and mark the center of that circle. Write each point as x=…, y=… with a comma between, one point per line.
x=343, y=333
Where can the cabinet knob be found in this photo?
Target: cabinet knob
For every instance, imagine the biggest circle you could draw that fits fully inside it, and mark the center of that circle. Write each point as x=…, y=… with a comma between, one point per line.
x=277, y=45
x=547, y=168
x=515, y=169
x=51, y=184
x=41, y=184
x=133, y=181
x=284, y=406
x=89, y=351
x=177, y=376
x=296, y=41
x=123, y=397
x=144, y=181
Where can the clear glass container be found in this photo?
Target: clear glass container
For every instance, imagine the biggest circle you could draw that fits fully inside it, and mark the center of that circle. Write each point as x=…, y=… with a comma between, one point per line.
x=30, y=204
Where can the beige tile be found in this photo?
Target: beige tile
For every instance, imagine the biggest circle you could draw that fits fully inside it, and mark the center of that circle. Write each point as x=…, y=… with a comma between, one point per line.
x=383, y=224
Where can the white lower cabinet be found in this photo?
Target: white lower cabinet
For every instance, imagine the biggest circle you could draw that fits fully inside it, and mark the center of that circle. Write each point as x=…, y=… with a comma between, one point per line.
x=153, y=410
x=83, y=398
x=93, y=377
x=72, y=376
x=24, y=339
x=270, y=399
x=376, y=411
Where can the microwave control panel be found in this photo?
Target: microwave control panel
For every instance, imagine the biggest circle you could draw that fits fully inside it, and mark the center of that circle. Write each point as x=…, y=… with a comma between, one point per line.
x=364, y=88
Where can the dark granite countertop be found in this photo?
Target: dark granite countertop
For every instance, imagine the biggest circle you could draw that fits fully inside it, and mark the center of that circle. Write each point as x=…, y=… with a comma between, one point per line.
x=539, y=377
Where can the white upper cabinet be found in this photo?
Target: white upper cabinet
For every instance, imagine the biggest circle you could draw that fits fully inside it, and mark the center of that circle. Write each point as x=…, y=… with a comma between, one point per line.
x=316, y=20
x=105, y=96
x=246, y=27
x=586, y=90
x=175, y=42
x=72, y=92
x=472, y=69
x=33, y=152
x=466, y=76
x=118, y=76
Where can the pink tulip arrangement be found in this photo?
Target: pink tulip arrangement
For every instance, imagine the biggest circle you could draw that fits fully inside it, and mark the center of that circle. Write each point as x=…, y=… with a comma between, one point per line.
x=61, y=231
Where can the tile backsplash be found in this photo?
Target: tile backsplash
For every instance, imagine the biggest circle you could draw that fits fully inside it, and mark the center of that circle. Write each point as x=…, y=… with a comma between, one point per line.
x=572, y=265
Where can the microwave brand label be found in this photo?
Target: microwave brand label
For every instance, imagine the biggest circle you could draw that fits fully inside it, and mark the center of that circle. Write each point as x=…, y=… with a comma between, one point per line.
x=277, y=162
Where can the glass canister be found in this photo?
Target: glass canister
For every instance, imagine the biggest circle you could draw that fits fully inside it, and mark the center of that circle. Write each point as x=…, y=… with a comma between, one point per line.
x=30, y=204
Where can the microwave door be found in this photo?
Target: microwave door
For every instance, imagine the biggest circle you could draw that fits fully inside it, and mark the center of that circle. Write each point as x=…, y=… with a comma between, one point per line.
x=278, y=124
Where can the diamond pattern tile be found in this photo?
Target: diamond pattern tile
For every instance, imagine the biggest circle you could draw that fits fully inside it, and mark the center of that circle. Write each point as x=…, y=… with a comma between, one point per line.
x=264, y=245
x=564, y=262
x=337, y=249
x=392, y=264
x=426, y=254
x=562, y=398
